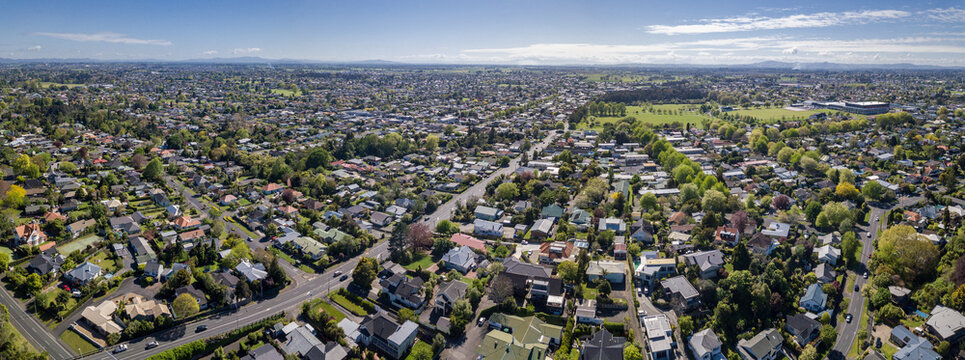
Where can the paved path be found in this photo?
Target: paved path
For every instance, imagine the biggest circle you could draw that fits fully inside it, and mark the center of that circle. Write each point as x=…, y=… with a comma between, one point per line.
x=32, y=329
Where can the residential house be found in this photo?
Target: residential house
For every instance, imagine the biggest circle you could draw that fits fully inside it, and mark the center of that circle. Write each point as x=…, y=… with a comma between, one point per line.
x=487, y=213
x=586, y=312
x=660, y=339
x=250, y=271
x=47, y=262
x=461, y=239
x=946, y=324
x=766, y=345
x=681, y=293
x=380, y=219
x=708, y=262
x=612, y=224
x=802, y=328
x=523, y=273
x=551, y=211
x=824, y=273
x=652, y=269
x=913, y=347
x=461, y=258
x=487, y=228
x=387, y=336
x=143, y=253
x=404, y=291
x=83, y=273
x=705, y=345
x=603, y=346
x=760, y=244
x=828, y=254
x=101, y=318
x=524, y=338
x=612, y=271
x=814, y=298
x=78, y=227
x=448, y=293
x=29, y=234
x=542, y=228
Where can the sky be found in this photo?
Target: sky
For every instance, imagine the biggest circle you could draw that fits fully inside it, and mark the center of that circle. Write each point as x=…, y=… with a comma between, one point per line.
x=524, y=32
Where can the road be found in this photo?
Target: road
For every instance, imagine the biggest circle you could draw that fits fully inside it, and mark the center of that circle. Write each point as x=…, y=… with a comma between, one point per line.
x=33, y=330
x=445, y=210
x=290, y=298
x=847, y=332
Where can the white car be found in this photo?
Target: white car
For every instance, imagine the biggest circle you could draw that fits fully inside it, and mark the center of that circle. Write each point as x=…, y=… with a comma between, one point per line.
x=120, y=348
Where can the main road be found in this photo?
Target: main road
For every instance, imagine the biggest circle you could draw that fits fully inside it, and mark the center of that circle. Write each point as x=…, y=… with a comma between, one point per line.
x=847, y=332
x=31, y=328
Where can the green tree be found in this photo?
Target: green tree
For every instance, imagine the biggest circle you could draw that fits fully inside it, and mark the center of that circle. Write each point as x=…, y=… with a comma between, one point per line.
x=153, y=170
x=185, y=306
x=33, y=284
x=420, y=353
x=714, y=201
x=648, y=201
x=809, y=353
x=4, y=262
x=632, y=352
x=872, y=190
x=828, y=334
x=365, y=272
x=446, y=227
x=850, y=248
x=686, y=324
x=407, y=314
x=15, y=197
x=568, y=271
x=506, y=191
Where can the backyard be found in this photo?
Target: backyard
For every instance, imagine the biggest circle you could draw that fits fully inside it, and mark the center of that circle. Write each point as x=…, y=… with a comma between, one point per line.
x=423, y=261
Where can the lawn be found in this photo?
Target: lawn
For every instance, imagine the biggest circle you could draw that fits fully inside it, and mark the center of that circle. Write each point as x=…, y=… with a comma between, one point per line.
x=589, y=293
x=888, y=350
x=684, y=116
x=418, y=345
x=286, y=92
x=913, y=322
x=425, y=261
x=47, y=84
x=76, y=342
x=6, y=250
x=101, y=259
x=348, y=304
x=79, y=244
x=782, y=114
x=332, y=311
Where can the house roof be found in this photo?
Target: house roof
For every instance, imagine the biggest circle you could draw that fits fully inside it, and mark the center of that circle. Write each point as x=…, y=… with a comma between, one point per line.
x=704, y=342
x=462, y=256
x=946, y=321
x=765, y=342
x=603, y=346
x=815, y=294
x=467, y=240
x=680, y=285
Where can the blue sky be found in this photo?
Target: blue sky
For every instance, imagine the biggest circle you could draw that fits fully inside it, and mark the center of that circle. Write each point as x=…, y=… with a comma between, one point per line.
x=491, y=32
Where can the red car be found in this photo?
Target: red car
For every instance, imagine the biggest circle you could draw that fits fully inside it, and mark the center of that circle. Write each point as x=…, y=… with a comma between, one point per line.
x=65, y=287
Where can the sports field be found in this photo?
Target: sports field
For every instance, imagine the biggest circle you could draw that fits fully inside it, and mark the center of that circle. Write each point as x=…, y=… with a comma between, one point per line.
x=657, y=115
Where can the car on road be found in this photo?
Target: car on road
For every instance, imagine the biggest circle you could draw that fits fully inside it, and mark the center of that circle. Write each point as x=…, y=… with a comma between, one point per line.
x=856, y=287
x=481, y=321
x=869, y=255
x=865, y=275
x=868, y=234
x=119, y=348
x=337, y=273
x=343, y=278
x=201, y=328
x=152, y=344
x=847, y=318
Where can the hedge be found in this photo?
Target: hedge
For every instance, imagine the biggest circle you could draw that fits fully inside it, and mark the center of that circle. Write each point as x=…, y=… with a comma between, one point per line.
x=202, y=347
x=614, y=328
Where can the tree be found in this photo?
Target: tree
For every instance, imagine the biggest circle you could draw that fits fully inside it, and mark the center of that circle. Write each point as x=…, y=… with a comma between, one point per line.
x=398, y=241
x=438, y=343
x=506, y=191
x=568, y=271
x=15, y=196
x=431, y=142
x=604, y=288
x=683, y=173
x=153, y=169
x=632, y=352
x=689, y=192
x=276, y=273
x=648, y=201
x=407, y=314
x=740, y=220
x=850, y=247
x=242, y=291
x=4, y=262
x=781, y=202
x=33, y=283
x=365, y=272
x=420, y=236
x=809, y=353
x=686, y=324
x=461, y=315
x=900, y=248
x=446, y=227
x=714, y=201
x=873, y=190
x=828, y=334
x=420, y=353
x=501, y=289
x=846, y=190
x=185, y=306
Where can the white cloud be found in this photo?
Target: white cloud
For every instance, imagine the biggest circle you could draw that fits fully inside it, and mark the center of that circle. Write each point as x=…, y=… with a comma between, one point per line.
x=790, y=51
x=210, y=52
x=245, y=51
x=746, y=23
x=103, y=37
x=35, y=48
x=946, y=15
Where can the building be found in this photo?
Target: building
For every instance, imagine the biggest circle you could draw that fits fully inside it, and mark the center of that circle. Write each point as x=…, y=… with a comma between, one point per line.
x=660, y=340
x=824, y=273
x=462, y=259
x=101, y=318
x=83, y=273
x=404, y=291
x=612, y=271
x=946, y=324
x=681, y=293
x=448, y=293
x=487, y=213
x=29, y=234
x=513, y=337
x=487, y=228
x=705, y=345
x=651, y=270
x=586, y=312
x=708, y=262
x=814, y=298
x=766, y=345
x=264, y=352
x=828, y=254
x=913, y=347
x=603, y=346
x=467, y=240
x=379, y=332
x=802, y=328
x=856, y=107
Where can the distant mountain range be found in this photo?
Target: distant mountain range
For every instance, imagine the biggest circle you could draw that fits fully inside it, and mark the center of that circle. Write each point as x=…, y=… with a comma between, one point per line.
x=764, y=65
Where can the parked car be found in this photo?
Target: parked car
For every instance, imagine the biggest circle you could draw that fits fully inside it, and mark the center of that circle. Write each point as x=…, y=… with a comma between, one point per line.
x=847, y=318
x=119, y=348
x=152, y=344
x=76, y=293
x=865, y=275
x=201, y=328
x=482, y=320
x=65, y=287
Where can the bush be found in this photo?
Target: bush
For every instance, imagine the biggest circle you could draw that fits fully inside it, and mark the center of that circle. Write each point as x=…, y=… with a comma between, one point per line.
x=199, y=348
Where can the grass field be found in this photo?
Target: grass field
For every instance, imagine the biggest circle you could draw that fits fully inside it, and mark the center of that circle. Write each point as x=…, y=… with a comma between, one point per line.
x=332, y=311
x=348, y=304
x=76, y=342
x=101, y=259
x=419, y=344
x=425, y=261
x=781, y=114
x=79, y=244
x=685, y=116
x=45, y=84
x=286, y=92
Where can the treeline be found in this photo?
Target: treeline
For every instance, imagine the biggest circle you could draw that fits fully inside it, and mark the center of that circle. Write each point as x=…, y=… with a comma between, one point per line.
x=607, y=109
x=659, y=94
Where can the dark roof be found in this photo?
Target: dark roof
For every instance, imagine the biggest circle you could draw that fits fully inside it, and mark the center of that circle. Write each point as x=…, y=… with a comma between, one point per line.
x=379, y=326
x=603, y=346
